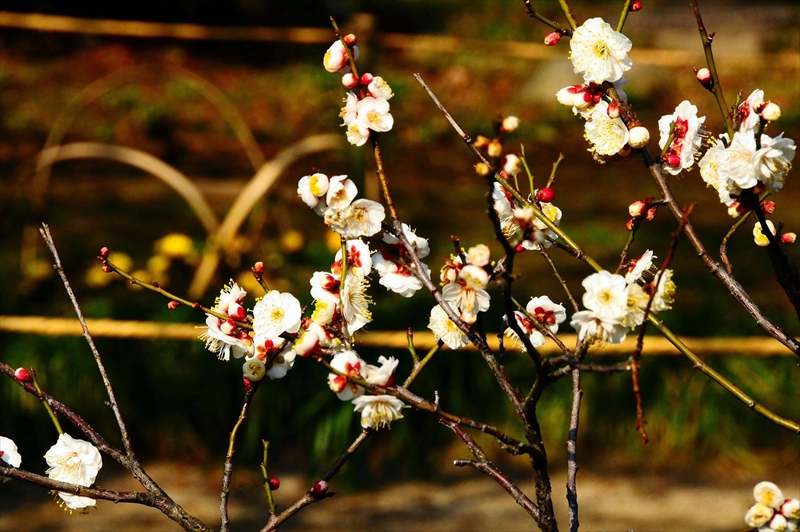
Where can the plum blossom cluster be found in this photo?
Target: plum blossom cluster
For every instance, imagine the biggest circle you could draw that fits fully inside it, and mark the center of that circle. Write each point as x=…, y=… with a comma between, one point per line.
x=334, y=200
x=617, y=303
x=77, y=462
x=751, y=159
x=464, y=278
x=366, y=106
x=772, y=512
x=519, y=222
x=262, y=336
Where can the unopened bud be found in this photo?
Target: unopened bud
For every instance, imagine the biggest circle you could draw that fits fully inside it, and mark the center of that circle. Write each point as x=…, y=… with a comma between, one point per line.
x=103, y=252
x=172, y=305
x=274, y=483
x=482, y=169
x=673, y=160
x=366, y=78
x=22, y=375
x=254, y=370
x=545, y=195
x=236, y=311
x=629, y=225
x=768, y=206
x=495, y=148
x=771, y=112
x=625, y=151
x=651, y=213
x=637, y=208
x=320, y=488
x=638, y=137
x=349, y=81
x=613, y=110
x=227, y=327
x=510, y=124
x=481, y=142
x=350, y=40
x=552, y=38
x=512, y=164
x=106, y=268
x=788, y=238
x=636, y=6
x=736, y=209
x=258, y=270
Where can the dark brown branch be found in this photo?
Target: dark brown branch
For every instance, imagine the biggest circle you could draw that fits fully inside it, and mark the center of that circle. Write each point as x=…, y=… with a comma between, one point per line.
x=228, y=469
x=572, y=452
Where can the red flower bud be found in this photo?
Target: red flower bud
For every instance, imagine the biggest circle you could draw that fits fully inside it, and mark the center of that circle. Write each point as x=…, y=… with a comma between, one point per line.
x=320, y=488
x=22, y=375
x=172, y=305
x=636, y=6
x=637, y=208
x=350, y=40
x=258, y=269
x=673, y=160
x=274, y=483
x=519, y=248
x=613, y=110
x=366, y=78
x=788, y=238
x=552, y=38
x=651, y=213
x=106, y=268
x=768, y=206
x=545, y=195
x=103, y=252
x=629, y=225
x=704, y=78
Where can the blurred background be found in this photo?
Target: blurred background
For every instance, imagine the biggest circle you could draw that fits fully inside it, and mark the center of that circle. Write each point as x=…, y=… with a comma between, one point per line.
x=205, y=94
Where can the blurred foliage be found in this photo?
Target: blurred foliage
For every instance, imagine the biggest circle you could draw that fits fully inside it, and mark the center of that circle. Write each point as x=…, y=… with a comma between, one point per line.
x=181, y=402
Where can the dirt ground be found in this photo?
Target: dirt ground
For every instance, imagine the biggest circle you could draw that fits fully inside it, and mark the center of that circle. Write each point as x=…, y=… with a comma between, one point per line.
x=465, y=502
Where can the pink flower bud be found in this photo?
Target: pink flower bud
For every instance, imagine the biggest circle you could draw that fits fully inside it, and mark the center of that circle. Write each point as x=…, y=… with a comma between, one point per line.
x=636, y=6
x=552, y=38
x=106, y=268
x=519, y=248
x=704, y=76
x=22, y=375
x=673, y=160
x=258, y=269
x=629, y=225
x=768, y=206
x=637, y=208
x=103, y=252
x=651, y=213
x=349, y=81
x=613, y=110
x=350, y=40
x=366, y=78
x=788, y=238
x=771, y=112
x=274, y=484
x=545, y=195
x=172, y=305
x=320, y=488
x=236, y=311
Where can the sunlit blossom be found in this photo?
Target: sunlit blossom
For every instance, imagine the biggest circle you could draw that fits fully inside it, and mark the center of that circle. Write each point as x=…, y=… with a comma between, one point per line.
x=77, y=462
x=378, y=411
x=312, y=188
x=363, y=217
x=758, y=233
x=275, y=314
x=445, y=330
x=598, y=52
x=10, y=454
x=606, y=135
x=382, y=375
x=349, y=364
x=686, y=128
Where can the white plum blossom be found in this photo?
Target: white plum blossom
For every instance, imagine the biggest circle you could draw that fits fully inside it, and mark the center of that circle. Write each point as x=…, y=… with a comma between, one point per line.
x=590, y=326
x=709, y=171
x=355, y=303
x=224, y=338
x=665, y=292
x=791, y=508
x=547, y=315
x=363, y=217
x=397, y=277
x=379, y=89
x=308, y=343
x=467, y=292
x=747, y=113
x=335, y=58
x=479, y=255
x=378, y=411
x=359, y=262
x=374, y=113
x=420, y=244
x=312, y=188
x=349, y=364
x=605, y=295
x=275, y=314
x=736, y=163
x=758, y=515
x=773, y=161
x=341, y=192
x=598, y=52
x=10, y=454
x=606, y=135
x=77, y=462
x=768, y=494
x=641, y=265
x=687, y=129
x=382, y=375
x=325, y=287
x=357, y=133
x=445, y=330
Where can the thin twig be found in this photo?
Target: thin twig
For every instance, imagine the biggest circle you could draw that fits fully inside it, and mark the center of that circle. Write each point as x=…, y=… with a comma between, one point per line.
x=561, y=281
x=538, y=16
x=572, y=451
x=228, y=469
x=112, y=401
x=716, y=87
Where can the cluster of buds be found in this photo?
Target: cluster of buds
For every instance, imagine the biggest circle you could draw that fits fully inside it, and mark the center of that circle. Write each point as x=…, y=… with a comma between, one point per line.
x=641, y=209
x=772, y=512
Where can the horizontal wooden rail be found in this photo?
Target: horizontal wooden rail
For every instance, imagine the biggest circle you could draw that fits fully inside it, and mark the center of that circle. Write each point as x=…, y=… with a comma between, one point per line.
x=653, y=345
x=430, y=44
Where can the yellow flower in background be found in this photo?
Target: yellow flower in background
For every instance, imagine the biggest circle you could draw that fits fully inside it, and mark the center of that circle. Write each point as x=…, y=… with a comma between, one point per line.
x=175, y=246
